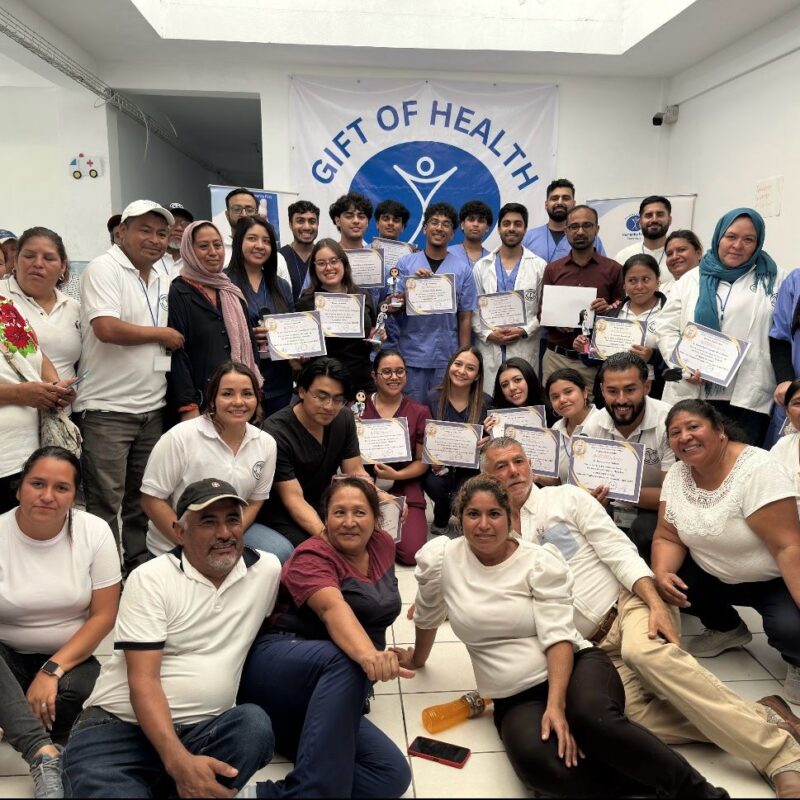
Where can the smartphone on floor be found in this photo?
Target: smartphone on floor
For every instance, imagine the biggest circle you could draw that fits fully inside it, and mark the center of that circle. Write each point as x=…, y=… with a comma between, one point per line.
x=450, y=754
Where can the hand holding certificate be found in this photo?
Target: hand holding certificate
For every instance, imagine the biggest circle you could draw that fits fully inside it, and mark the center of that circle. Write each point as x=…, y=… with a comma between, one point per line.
x=612, y=335
x=342, y=315
x=542, y=446
x=605, y=462
x=502, y=310
x=295, y=335
x=528, y=416
x=435, y=294
x=384, y=440
x=454, y=444
x=366, y=266
x=717, y=355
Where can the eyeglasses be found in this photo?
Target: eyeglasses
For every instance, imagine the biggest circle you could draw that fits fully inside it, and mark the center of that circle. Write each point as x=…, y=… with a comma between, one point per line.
x=331, y=262
x=237, y=209
x=325, y=399
x=444, y=224
x=387, y=373
x=581, y=226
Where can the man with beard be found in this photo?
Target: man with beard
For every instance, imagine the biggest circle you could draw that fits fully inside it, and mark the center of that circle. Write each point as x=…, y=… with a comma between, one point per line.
x=509, y=268
x=582, y=266
x=172, y=258
x=549, y=241
x=655, y=217
x=162, y=720
x=631, y=416
x=304, y=222
x=616, y=607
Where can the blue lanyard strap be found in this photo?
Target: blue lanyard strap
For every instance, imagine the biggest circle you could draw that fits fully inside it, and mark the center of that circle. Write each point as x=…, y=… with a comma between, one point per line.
x=153, y=317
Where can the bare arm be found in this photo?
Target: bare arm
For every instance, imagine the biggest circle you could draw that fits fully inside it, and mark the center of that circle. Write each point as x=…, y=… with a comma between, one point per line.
x=349, y=635
x=777, y=524
x=667, y=555
x=291, y=494
x=195, y=776
x=250, y=512
x=161, y=514
x=114, y=331
x=660, y=620
x=560, y=659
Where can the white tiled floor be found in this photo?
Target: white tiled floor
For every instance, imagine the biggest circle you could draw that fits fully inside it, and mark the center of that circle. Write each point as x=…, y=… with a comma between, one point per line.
x=754, y=671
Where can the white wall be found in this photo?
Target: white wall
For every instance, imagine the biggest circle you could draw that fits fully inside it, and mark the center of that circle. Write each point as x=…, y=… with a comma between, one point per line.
x=735, y=129
x=153, y=170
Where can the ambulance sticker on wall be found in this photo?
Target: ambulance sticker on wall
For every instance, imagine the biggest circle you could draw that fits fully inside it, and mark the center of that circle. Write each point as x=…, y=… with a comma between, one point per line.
x=82, y=165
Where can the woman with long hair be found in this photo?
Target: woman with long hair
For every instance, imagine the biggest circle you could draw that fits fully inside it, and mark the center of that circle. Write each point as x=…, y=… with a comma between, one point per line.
x=254, y=269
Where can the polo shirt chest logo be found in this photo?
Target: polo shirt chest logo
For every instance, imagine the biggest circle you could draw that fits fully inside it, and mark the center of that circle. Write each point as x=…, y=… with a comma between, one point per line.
x=651, y=456
x=258, y=469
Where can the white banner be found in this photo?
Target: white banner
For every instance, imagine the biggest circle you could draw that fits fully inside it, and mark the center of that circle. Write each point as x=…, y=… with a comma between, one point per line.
x=422, y=142
x=619, y=219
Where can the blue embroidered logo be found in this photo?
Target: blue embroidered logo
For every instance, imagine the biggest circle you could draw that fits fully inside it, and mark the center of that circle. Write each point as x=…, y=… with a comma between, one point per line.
x=418, y=174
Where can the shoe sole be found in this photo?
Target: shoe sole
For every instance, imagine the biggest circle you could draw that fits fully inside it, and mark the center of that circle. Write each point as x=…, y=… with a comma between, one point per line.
x=732, y=645
x=791, y=723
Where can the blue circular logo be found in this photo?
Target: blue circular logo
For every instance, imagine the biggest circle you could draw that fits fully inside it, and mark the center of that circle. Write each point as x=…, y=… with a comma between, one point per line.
x=632, y=223
x=419, y=174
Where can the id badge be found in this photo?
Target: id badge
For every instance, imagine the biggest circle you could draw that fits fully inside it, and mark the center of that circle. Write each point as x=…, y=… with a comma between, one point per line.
x=624, y=516
x=162, y=363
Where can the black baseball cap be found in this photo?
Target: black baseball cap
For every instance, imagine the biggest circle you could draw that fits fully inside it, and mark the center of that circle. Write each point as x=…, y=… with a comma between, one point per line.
x=113, y=221
x=178, y=210
x=196, y=496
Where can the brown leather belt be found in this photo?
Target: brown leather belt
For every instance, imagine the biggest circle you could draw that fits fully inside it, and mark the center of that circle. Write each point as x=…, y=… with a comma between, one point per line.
x=605, y=626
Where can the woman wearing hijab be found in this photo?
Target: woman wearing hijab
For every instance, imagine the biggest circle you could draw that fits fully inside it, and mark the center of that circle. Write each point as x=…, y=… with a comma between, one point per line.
x=733, y=291
x=211, y=314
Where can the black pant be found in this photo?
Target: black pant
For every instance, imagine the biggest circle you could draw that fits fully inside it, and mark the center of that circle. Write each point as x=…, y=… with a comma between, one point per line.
x=443, y=488
x=753, y=424
x=621, y=756
x=642, y=530
x=22, y=727
x=713, y=601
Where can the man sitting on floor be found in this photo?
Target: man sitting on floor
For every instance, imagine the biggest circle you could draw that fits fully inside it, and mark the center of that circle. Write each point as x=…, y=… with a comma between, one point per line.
x=161, y=718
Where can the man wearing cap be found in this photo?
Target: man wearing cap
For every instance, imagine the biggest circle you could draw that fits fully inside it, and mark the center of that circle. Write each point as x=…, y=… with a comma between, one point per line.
x=183, y=217
x=125, y=354
x=8, y=244
x=162, y=718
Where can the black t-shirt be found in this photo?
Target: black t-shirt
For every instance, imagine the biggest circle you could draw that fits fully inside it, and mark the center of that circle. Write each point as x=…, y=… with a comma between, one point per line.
x=434, y=263
x=302, y=457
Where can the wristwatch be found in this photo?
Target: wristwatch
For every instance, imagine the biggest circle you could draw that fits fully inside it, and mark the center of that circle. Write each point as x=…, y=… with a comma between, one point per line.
x=52, y=668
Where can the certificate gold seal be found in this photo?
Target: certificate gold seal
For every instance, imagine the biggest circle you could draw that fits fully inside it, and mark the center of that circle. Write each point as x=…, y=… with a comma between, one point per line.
x=319, y=302
x=272, y=325
x=578, y=448
x=430, y=429
x=411, y=283
x=690, y=332
x=483, y=302
x=600, y=325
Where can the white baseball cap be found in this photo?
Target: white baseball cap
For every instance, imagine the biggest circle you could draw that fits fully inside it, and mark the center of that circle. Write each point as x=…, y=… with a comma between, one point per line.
x=139, y=207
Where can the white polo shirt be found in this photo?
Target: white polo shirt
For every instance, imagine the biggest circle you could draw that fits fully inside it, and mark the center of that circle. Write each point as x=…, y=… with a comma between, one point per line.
x=59, y=332
x=192, y=451
x=651, y=432
x=600, y=556
x=121, y=378
x=204, y=632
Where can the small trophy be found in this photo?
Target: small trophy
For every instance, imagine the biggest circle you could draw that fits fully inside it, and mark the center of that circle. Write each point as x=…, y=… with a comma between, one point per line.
x=393, y=282
x=586, y=318
x=359, y=405
x=375, y=340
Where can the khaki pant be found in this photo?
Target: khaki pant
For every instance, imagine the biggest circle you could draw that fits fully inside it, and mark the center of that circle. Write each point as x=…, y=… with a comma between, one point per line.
x=668, y=692
x=553, y=361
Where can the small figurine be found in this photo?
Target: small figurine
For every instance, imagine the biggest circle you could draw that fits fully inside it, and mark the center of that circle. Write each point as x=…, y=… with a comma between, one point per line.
x=380, y=324
x=359, y=405
x=393, y=282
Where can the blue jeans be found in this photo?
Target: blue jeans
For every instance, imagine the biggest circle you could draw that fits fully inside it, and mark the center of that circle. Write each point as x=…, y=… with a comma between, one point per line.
x=263, y=538
x=106, y=757
x=314, y=695
x=421, y=380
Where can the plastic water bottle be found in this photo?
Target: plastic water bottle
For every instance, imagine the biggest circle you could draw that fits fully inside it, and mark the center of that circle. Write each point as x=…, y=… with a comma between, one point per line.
x=445, y=715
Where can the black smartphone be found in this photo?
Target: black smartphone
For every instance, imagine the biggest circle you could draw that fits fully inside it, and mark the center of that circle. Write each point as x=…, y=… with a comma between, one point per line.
x=444, y=753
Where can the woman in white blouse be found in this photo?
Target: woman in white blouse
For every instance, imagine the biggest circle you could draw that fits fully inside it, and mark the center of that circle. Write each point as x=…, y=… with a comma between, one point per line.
x=728, y=534
x=59, y=590
x=510, y=602
x=787, y=448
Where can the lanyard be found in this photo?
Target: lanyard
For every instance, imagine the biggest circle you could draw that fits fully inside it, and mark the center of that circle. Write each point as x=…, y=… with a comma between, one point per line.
x=300, y=267
x=650, y=253
x=724, y=305
x=153, y=317
x=646, y=319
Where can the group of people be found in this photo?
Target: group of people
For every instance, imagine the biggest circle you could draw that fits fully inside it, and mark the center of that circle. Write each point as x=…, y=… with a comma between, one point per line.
x=225, y=485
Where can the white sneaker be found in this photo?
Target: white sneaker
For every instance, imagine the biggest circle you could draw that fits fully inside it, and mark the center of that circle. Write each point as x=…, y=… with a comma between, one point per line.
x=711, y=643
x=791, y=686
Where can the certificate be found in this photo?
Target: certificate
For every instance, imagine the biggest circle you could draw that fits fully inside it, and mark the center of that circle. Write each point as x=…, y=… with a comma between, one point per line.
x=529, y=416
x=294, y=335
x=717, y=355
x=452, y=443
x=541, y=445
x=384, y=440
x=342, y=315
x=561, y=305
x=611, y=335
x=392, y=250
x=502, y=310
x=391, y=514
x=433, y=295
x=605, y=462
x=366, y=266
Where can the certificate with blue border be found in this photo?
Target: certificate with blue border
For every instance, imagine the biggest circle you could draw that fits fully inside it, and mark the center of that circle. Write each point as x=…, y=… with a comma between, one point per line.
x=611, y=335
x=366, y=267
x=452, y=444
x=435, y=294
x=542, y=446
x=502, y=310
x=606, y=462
x=717, y=355
x=384, y=440
x=342, y=315
x=529, y=416
x=294, y=335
